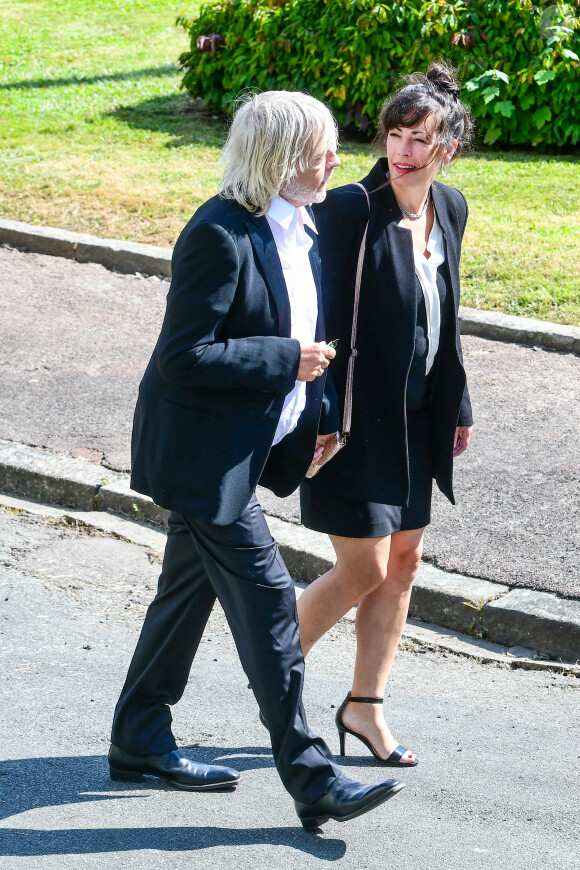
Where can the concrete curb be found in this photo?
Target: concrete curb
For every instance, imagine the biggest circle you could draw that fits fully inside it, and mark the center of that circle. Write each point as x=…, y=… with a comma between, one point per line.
x=416, y=635
x=152, y=260
x=519, y=330
x=114, y=254
x=538, y=621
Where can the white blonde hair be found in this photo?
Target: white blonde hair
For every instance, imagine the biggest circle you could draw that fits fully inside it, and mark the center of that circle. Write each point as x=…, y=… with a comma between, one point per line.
x=273, y=135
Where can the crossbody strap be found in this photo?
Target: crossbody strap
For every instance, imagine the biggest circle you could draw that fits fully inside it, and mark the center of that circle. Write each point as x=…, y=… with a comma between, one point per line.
x=347, y=416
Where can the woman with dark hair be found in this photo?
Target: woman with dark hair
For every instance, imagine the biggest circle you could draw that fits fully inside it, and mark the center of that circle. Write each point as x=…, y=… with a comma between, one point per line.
x=411, y=413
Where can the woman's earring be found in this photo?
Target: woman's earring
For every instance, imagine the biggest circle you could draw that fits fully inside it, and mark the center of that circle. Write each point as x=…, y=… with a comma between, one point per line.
x=443, y=170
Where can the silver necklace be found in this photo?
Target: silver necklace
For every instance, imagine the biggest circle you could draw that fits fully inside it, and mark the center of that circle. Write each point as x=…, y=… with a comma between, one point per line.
x=419, y=214
x=410, y=213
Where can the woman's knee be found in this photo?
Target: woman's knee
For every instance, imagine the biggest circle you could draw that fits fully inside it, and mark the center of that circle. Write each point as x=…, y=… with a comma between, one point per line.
x=364, y=561
x=367, y=575
x=404, y=563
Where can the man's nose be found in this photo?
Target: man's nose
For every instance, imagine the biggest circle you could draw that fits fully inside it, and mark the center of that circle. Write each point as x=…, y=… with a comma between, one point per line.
x=332, y=160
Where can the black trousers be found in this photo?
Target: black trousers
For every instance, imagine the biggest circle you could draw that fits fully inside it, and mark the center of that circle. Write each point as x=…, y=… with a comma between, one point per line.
x=240, y=565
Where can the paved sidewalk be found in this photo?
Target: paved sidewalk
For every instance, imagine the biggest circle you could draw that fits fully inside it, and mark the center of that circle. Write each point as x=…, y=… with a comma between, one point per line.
x=529, y=624
x=74, y=341
x=486, y=793
x=504, y=563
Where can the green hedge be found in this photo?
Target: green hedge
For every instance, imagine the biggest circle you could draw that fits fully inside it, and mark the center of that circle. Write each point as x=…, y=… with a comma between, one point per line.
x=518, y=60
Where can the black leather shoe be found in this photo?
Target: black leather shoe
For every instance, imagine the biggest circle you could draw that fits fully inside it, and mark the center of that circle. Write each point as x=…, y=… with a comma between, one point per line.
x=346, y=799
x=173, y=767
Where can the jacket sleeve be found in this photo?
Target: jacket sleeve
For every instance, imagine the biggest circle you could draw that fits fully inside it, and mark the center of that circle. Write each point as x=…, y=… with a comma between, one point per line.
x=191, y=349
x=466, y=208
x=340, y=221
x=465, y=417
x=330, y=414
x=465, y=413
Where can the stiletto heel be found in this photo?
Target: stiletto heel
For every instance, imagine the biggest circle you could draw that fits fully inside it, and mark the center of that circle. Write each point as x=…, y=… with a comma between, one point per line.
x=394, y=759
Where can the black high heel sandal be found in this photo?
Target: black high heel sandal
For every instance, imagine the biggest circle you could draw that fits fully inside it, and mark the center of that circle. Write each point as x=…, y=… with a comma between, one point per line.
x=394, y=759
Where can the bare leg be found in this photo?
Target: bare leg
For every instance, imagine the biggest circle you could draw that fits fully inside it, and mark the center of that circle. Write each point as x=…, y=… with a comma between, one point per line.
x=380, y=620
x=361, y=566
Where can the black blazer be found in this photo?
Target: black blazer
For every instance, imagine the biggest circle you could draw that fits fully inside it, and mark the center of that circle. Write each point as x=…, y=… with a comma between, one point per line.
x=212, y=394
x=374, y=465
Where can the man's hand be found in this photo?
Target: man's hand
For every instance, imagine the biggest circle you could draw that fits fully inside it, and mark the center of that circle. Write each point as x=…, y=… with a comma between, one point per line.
x=314, y=358
x=462, y=436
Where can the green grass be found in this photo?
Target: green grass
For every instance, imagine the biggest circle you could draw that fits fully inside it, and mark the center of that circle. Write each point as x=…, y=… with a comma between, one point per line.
x=96, y=136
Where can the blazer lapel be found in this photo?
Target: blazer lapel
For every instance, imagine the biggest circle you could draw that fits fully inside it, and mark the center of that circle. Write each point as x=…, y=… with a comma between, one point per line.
x=402, y=286
x=267, y=255
x=392, y=244
x=314, y=258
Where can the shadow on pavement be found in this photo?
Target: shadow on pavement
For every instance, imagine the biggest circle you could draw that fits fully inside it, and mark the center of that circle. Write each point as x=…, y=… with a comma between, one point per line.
x=33, y=783
x=82, y=841
x=240, y=757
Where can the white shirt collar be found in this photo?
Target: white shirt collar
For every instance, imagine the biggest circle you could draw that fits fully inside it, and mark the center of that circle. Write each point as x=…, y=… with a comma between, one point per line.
x=283, y=212
x=435, y=246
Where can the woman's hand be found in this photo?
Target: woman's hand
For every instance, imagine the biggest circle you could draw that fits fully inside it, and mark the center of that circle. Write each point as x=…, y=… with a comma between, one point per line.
x=462, y=437
x=321, y=442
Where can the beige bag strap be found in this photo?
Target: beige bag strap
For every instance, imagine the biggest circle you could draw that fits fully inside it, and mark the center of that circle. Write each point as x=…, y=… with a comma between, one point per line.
x=347, y=417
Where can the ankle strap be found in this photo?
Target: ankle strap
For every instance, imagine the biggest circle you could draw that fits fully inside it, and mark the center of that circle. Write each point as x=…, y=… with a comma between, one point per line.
x=365, y=700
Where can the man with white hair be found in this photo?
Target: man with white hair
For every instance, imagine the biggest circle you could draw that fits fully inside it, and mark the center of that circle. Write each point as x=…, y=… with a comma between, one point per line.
x=233, y=396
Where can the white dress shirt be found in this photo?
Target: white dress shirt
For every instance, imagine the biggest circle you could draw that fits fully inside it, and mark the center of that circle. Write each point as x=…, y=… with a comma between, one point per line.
x=293, y=244
x=426, y=271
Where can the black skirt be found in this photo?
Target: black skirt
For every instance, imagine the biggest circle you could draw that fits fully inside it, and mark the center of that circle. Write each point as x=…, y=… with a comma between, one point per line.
x=351, y=518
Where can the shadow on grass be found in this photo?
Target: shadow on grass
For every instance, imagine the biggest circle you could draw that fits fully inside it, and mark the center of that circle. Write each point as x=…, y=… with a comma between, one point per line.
x=167, y=69
x=34, y=783
x=187, y=121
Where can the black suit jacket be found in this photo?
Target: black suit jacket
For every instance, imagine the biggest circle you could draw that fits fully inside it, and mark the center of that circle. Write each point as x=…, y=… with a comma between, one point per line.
x=212, y=394
x=374, y=465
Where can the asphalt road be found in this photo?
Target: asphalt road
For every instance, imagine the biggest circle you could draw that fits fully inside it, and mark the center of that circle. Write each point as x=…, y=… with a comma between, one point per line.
x=496, y=786
x=75, y=339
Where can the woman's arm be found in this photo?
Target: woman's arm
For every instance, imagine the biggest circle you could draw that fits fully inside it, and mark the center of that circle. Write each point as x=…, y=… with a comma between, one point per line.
x=465, y=419
x=340, y=221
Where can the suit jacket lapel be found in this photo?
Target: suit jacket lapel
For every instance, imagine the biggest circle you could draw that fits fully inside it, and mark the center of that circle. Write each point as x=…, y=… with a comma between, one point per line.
x=265, y=249
x=314, y=258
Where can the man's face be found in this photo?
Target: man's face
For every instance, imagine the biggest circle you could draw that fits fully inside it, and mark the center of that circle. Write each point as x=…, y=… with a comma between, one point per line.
x=310, y=185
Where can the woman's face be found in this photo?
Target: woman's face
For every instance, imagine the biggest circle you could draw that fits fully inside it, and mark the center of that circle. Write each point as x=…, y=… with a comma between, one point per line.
x=414, y=153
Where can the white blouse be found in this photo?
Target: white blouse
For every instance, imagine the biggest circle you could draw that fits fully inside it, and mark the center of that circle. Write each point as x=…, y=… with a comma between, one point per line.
x=426, y=271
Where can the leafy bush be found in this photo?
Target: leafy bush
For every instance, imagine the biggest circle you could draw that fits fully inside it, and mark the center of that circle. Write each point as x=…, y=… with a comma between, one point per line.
x=518, y=60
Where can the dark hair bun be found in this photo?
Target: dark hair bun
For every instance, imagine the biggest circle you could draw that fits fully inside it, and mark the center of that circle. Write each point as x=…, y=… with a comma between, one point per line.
x=441, y=77
x=432, y=93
